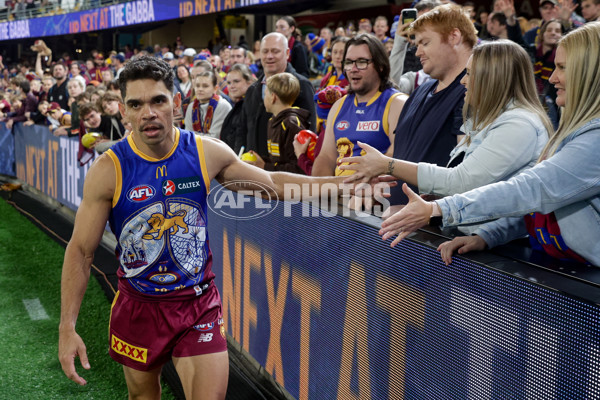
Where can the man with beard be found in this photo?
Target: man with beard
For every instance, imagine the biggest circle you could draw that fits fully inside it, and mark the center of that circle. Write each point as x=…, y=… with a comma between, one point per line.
x=58, y=93
x=369, y=113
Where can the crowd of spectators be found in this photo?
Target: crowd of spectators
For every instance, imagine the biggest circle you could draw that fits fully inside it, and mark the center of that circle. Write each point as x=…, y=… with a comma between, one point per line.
x=431, y=94
x=11, y=10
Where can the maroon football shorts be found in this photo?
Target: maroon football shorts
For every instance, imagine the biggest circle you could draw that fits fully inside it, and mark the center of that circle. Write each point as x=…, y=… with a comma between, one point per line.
x=146, y=334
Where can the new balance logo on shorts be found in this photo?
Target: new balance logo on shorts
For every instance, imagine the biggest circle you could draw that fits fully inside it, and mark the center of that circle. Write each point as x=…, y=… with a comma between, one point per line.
x=205, y=337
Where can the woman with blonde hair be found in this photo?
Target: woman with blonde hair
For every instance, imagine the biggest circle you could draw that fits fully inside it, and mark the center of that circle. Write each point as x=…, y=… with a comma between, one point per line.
x=505, y=128
x=559, y=197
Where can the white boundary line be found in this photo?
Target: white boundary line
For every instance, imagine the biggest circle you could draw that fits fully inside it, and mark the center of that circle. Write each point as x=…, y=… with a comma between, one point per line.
x=35, y=309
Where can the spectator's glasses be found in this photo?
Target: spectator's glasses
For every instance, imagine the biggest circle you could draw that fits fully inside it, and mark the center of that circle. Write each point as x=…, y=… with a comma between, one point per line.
x=361, y=64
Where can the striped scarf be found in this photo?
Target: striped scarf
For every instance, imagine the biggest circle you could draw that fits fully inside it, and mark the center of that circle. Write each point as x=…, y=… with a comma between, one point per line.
x=199, y=125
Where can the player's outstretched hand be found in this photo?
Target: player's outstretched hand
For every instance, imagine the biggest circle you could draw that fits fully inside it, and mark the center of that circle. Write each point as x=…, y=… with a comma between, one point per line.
x=70, y=346
x=462, y=245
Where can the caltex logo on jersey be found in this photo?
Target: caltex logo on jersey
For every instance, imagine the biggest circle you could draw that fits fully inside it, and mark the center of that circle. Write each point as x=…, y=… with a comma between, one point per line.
x=342, y=125
x=168, y=188
x=141, y=193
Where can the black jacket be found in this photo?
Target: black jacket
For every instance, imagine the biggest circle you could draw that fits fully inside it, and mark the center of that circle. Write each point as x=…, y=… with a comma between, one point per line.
x=299, y=58
x=256, y=118
x=59, y=94
x=233, y=131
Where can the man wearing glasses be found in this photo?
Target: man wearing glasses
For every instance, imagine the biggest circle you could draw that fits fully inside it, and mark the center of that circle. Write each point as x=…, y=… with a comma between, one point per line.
x=368, y=113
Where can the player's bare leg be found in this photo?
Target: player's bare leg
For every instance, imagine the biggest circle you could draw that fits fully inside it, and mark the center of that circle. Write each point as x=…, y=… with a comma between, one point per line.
x=143, y=385
x=204, y=377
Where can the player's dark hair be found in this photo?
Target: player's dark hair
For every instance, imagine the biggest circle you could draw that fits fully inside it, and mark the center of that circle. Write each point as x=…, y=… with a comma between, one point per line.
x=146, y=68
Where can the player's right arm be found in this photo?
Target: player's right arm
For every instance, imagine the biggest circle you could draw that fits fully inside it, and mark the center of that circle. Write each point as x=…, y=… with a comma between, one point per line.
x=90, y=222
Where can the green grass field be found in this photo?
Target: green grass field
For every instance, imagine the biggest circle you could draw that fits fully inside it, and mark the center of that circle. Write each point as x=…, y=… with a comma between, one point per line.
x=30, y=268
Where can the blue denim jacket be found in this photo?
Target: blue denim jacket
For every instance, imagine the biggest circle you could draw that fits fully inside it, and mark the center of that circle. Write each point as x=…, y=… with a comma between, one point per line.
x=568, y=184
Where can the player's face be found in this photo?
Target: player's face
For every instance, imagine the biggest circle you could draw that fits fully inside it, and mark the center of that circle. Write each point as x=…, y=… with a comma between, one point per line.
x=148, y=105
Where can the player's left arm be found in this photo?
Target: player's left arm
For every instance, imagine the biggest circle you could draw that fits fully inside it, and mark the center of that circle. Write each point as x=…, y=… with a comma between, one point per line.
x=393, y=116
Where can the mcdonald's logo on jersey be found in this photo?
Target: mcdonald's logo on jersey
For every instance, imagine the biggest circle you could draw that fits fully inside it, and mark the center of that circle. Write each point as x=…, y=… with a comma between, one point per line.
x=163, y=171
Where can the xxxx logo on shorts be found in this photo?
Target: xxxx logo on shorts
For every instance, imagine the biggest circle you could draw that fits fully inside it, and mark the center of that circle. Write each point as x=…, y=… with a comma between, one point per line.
x=135, y=353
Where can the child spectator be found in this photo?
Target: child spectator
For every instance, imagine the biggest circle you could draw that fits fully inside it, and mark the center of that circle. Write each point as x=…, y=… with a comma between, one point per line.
x=208, y=109
x=28, y=106
x=110, y=108
x=36, y=88
x=58, y=117
x=281, y=92
x=40, y=117
x=4, y=105
x=73, y=130
x=317, y=64
x=16, y=105
x=74, y=88
x=92, y=120
x=47, y=83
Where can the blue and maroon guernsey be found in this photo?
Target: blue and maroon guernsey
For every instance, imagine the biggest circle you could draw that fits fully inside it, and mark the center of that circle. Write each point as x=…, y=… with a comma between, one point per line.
x=365, y=122
x=159, y=218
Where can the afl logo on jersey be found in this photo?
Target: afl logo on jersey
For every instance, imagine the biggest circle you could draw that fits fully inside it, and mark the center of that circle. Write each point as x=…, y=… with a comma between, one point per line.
x=342, y=125
x=168, y=188
x=141, y=193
